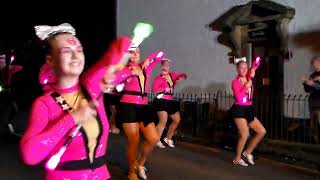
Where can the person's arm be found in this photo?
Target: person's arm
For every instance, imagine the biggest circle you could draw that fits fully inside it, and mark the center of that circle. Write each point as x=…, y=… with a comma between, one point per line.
x=41, y=138
x=154, y=60
x=178, y=76
x=310, y=86
x=316, y=85
x=122, y=75
x=156, y=85
x=307, y=88
x=252, y=70
x=238, y=88
x=92, y=79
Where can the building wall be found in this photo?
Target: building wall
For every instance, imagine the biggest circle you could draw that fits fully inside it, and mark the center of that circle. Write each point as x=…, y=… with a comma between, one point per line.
x=181, y=31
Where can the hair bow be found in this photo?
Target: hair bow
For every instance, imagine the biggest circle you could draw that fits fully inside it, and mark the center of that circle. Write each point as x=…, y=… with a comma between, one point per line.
x=168, y=60
x=2, y=57
x=44, y=31
x=237, y=60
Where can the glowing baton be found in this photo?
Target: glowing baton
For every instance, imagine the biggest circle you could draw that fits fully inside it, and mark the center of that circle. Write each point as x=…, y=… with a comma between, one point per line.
x=256, y=62
x=55, y=159
x=159, y=55
x=244, y=99
x=159, y=96
x=120, y=87
x=258, y=59
x=140, y=32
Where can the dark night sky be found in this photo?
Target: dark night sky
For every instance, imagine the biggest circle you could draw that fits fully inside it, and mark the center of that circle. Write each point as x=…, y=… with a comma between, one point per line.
x=94, y=21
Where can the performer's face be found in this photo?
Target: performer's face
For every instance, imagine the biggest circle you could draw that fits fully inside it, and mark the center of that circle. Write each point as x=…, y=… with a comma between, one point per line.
x=316, y=64
x=242, y=69
x=66, y=55
x=165, y=66
x=135, y=56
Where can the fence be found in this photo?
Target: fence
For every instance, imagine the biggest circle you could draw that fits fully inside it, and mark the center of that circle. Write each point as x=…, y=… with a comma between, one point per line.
x=207, y=116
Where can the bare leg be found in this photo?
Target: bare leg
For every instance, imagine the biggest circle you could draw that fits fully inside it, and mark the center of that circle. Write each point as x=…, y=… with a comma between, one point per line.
x=151, y=138
x=173, y=126
x=260, y=133
x=132, y=132
x=163, y=117
x=113, y=126
x=243, y=129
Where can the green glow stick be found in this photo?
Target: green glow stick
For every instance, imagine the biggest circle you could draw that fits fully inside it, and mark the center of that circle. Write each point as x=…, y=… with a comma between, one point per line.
x=140, y=32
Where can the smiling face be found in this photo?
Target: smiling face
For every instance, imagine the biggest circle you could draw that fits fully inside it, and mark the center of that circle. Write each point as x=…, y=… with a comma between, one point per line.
x=66, y=55
x=242, y=68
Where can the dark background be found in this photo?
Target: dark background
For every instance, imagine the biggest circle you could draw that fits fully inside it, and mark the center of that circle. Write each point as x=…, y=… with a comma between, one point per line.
x=94, y=21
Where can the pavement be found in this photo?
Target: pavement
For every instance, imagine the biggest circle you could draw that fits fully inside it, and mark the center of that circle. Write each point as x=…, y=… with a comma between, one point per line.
x=186, y=161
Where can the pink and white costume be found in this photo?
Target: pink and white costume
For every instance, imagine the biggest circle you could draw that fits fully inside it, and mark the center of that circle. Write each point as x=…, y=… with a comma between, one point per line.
x=242, y=95
x=133, y=92
x=50, y=125
x=160, y=84
x=134, y=101
x=242, y=107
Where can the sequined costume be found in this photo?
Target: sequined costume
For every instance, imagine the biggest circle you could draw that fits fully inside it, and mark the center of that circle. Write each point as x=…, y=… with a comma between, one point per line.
x=242, y=107
x=163, y=85
x=134, y=100
x=49, y=126
x=160, y=84
x=135, y=89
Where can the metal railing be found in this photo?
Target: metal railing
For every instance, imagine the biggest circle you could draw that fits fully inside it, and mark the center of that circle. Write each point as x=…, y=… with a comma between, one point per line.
x=207, y=116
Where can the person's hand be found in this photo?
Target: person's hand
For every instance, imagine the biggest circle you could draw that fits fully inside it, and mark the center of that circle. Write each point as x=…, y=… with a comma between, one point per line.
x=145, y=63
x=309, y=82
x=168, y=90
x=179, y=80
x=316, y=78
x=123, y=61
x=85, y=112
x=304, y=78
x=182, y=78
x=107, y=85
x=109, y=77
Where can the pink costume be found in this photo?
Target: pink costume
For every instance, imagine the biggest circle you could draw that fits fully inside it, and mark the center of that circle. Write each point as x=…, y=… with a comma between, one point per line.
x=46, y=77
x=242, y=95
x=160, y=84
x=50, y=125
x=133, y=92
